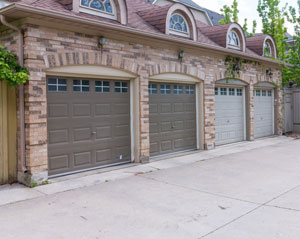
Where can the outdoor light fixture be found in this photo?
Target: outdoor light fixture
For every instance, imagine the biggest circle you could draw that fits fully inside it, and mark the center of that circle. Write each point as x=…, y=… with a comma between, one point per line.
x=237, y=68
x=102, y=41
x=269, y=73
x=180, y=55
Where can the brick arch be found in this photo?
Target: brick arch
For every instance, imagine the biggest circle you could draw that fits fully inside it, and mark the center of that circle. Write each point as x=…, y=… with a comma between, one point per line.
x=243, y=77
x=92, y=58
x=176, y=68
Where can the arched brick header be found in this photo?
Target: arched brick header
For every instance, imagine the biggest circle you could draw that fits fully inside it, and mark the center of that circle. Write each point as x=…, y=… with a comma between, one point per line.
x=176, y=68
x=221, y=76
x=92, y=58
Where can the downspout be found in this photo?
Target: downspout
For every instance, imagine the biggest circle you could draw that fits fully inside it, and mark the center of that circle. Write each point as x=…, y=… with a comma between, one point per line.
x=21, y=92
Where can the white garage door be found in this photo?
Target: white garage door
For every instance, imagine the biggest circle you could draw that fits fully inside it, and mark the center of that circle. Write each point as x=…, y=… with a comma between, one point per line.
x=263, y=113
x=230, y=114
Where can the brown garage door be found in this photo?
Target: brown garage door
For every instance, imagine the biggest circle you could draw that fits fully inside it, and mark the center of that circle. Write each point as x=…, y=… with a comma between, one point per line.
x=172, y=118
x=88, y=124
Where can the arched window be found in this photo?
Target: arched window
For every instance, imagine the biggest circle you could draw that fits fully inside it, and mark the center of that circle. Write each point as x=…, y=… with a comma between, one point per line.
x=233, y=40
x=100, y=5
x=102, y=8
x=178, y=25
x=268, y=49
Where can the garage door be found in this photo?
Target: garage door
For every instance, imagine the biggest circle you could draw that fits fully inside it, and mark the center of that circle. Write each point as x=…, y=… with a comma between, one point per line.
x=172, y=118
x=263, y=113
x=88, y=124
x=230, y=114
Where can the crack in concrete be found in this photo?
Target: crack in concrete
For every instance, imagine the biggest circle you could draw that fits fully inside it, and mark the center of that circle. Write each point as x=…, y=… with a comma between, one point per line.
x=201, y=191
x=255, y=209
x=260, y=205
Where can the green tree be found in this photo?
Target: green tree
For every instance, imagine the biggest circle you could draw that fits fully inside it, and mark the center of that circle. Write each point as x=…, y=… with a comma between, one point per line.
x=273, y=21
x=230, y=14
x=227, y=14
x=10, y=70
x=293, y=57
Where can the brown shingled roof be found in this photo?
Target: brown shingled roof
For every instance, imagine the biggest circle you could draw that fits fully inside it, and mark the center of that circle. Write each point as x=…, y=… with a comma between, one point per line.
x=218, y=34
x=143, y=16
x=156, y=16
x=256, y=43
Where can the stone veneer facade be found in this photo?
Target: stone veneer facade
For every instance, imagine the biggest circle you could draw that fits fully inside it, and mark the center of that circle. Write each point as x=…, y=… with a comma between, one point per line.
x=46, y=47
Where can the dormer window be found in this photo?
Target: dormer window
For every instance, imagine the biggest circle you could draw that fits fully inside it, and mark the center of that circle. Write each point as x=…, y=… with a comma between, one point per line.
x=233, y=40
x=268, y=49
x=178, y=25
x=102, y=8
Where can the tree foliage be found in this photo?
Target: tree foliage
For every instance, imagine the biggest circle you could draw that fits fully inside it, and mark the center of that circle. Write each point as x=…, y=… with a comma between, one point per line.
x=10, y=70
x=273, y=21
x=230, y=14
x=293, y=57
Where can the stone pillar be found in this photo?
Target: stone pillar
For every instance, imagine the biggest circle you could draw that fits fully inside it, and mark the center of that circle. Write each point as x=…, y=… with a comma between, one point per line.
x=250, y=111
x=209, y=114
x=144, y=117
x=35, y=117
x=278, y=111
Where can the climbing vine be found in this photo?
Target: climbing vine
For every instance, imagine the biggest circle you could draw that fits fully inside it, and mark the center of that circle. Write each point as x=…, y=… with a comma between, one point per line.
x=10, y=70
x=234, y=66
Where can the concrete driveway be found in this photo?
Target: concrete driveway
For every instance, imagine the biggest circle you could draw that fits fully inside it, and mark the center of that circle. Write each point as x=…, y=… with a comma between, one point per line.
x=244, y=191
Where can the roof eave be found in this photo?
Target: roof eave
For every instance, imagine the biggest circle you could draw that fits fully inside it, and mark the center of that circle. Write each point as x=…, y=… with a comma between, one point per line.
x=111, y=26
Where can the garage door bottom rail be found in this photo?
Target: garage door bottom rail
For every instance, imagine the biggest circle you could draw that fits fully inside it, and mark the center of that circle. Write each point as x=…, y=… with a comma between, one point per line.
x=88, y=169
x=173, y=154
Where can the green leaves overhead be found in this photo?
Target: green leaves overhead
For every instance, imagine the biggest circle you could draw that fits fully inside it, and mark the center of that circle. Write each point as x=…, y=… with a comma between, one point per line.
x=273, y=20
x=292, y=74
x=10, y=70
x=230, y=14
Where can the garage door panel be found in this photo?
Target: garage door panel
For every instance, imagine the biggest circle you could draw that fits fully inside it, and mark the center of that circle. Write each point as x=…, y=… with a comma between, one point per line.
x=154, y=147
x=82, y=134
x=103, y=109
x=172, y=121
x=229, y=116
x=58, y=136
x=178, y=107
x=82, y=110
x=263, y=113
x=60, y=162
x=103, y=155
x=88, y=129
x=166, y=145
x=58, y=110
x=82, y=158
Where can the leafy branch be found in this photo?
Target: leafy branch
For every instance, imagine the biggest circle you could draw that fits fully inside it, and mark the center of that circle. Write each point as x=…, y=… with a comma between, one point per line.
x=10, y=70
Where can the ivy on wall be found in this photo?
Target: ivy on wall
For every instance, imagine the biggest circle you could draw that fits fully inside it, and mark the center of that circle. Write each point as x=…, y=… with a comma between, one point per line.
x=234, y=66
x=10, y=70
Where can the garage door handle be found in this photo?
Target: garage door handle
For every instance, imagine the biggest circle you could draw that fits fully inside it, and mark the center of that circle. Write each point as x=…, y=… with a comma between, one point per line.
x=228, y=121
x=94, y=132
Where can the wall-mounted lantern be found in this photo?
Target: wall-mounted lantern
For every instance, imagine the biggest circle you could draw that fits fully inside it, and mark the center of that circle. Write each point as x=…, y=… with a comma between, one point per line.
x=180, y=55
x=102, y=41
x=269, y=73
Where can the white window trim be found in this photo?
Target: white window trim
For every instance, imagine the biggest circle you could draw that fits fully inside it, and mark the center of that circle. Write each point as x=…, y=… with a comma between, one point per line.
x=239, y=41
x=180, y=33
x=267, y=42
x=100, y=13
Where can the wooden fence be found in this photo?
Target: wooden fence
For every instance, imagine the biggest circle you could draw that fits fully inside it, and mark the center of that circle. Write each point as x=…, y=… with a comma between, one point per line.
x=296, y=110
x=291, y=110
x=8, y=129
